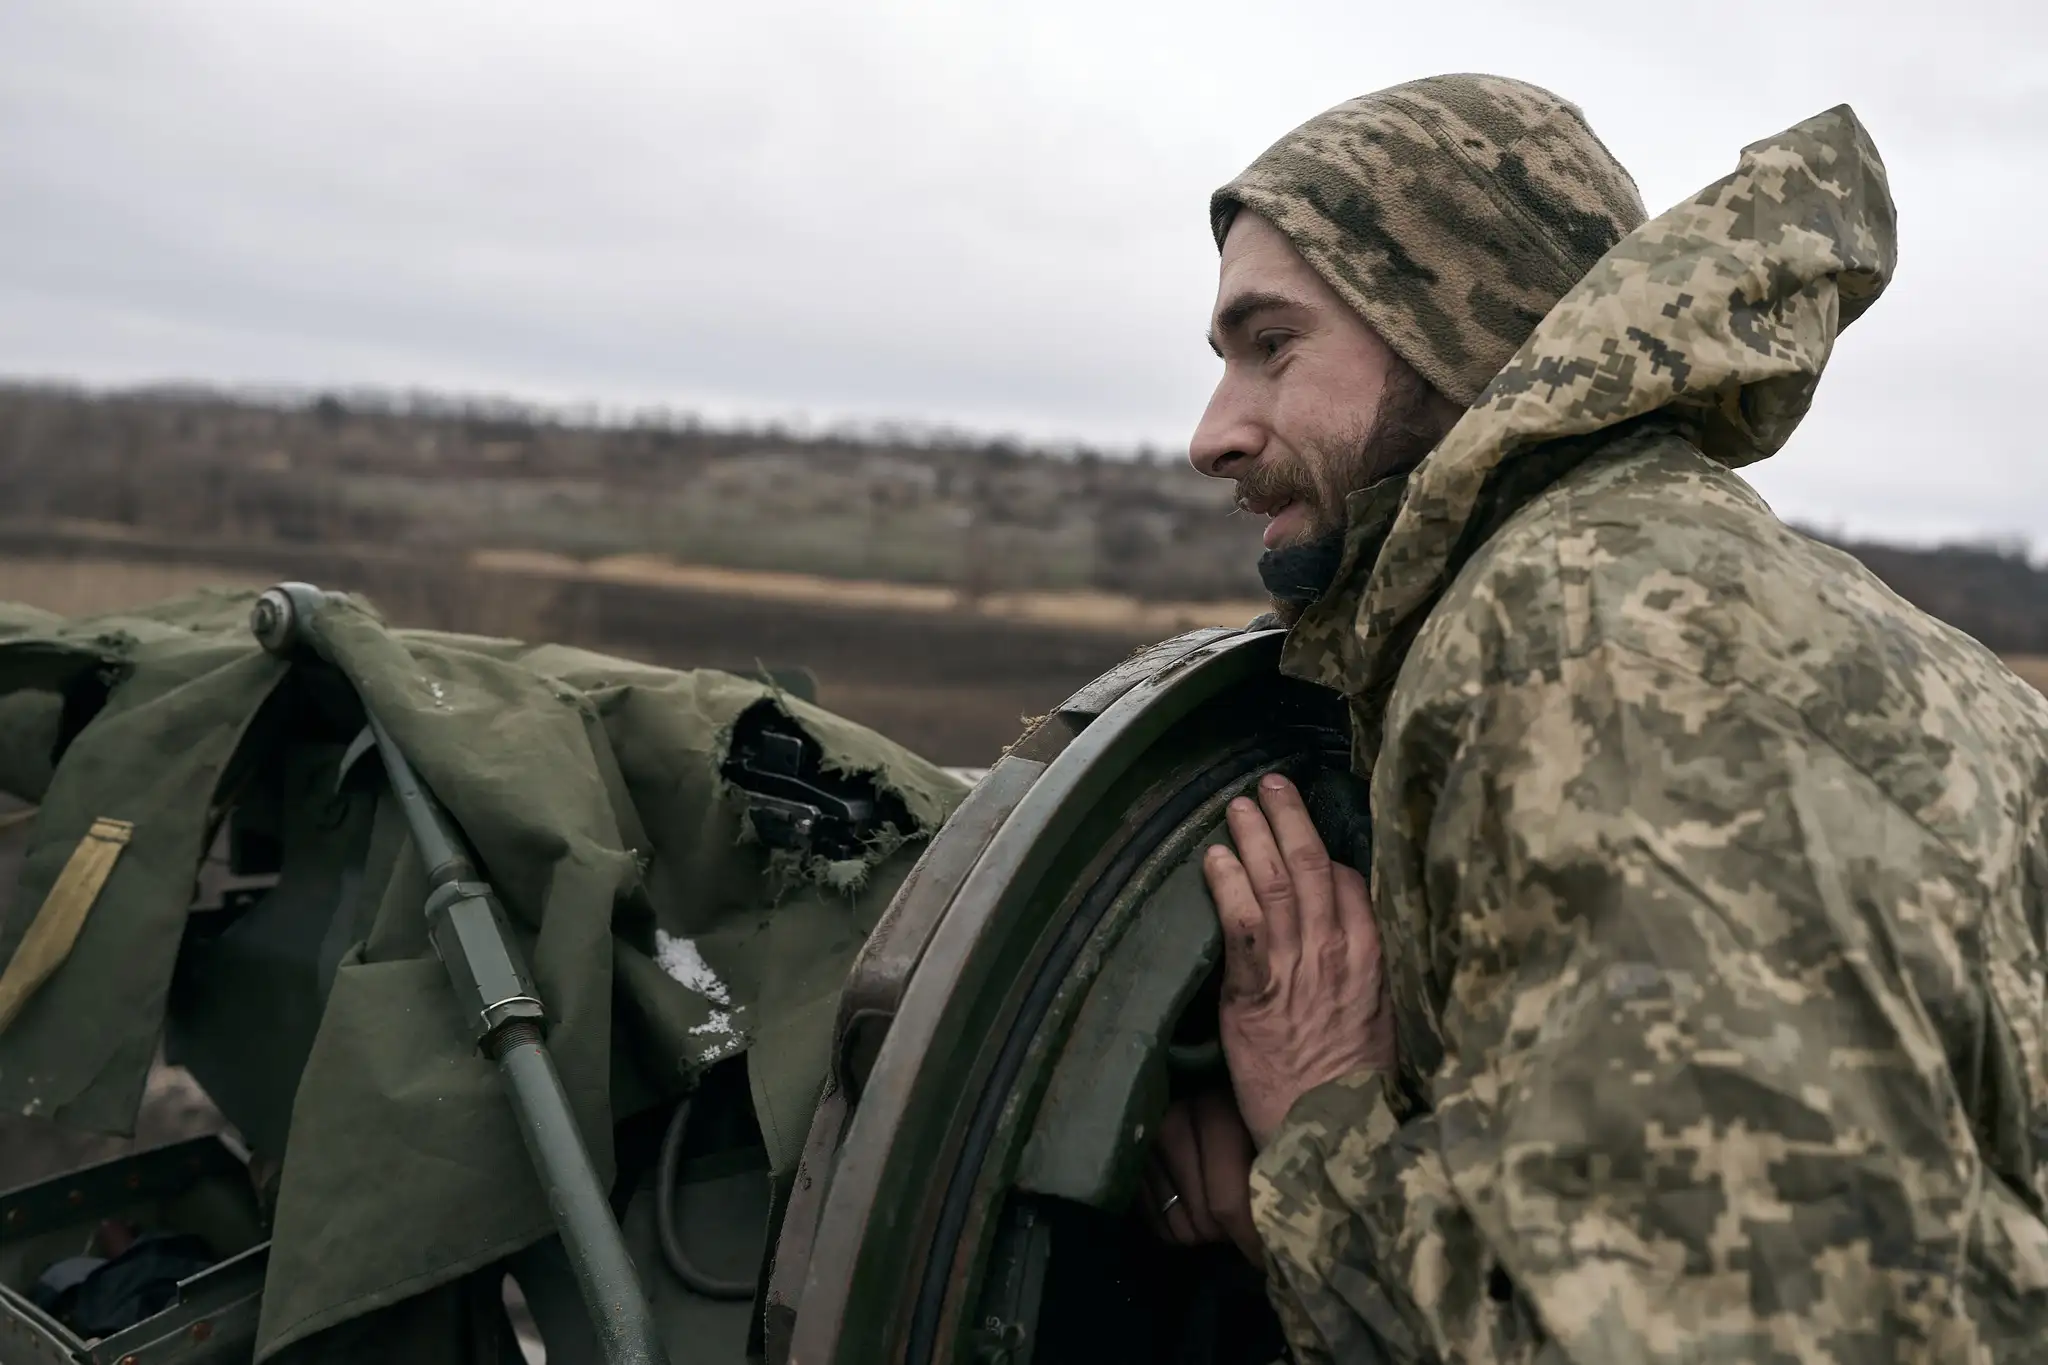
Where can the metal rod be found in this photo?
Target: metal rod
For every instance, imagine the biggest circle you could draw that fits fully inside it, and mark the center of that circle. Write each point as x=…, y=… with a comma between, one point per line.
x=577, y=1199
x=597, y=1253
x=423, y=814
x=469, y=933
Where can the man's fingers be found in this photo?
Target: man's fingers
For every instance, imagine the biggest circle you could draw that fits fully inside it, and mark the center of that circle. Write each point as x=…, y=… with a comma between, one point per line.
x=1153, y=1188
x=1226, y=1165
x=1270, y=880
x=1302, y=852
x=1354, y=913
x=1162, y=1213
x=1245, y=967
x=1180, y=1152
x=1181, y=1228
x=1362, y=948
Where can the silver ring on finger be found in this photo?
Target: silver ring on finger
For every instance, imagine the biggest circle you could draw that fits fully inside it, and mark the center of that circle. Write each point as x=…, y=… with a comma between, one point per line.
x=1167, y=1207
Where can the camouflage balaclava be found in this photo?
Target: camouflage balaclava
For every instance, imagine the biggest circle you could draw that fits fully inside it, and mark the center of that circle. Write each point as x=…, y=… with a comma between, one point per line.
x=1452, y=213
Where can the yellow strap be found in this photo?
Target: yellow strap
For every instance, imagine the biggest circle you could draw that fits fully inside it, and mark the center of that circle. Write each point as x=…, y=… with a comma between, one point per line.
x=48, y=940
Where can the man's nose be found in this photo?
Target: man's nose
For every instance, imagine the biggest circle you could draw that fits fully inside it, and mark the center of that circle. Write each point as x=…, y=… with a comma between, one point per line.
x=1229, y=437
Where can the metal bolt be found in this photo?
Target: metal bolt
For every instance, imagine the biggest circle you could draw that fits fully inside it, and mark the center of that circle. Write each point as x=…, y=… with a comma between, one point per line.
x=270, y=620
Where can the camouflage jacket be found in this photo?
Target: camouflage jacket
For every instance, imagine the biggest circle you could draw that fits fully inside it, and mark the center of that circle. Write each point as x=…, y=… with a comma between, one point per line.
x=1713, y=876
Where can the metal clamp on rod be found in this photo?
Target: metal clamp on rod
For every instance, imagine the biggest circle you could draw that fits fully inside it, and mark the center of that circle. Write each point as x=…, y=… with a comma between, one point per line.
x=467, y=927
x=469, y=933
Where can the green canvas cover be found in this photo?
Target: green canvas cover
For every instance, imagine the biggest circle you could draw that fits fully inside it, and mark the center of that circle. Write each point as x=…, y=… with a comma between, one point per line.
x=663, y=938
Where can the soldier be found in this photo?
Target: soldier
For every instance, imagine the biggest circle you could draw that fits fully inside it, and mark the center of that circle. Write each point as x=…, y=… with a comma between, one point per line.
x=1712, y=877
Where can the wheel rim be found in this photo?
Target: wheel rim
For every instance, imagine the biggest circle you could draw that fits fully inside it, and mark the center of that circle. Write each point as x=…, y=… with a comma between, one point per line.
x=940, y=1119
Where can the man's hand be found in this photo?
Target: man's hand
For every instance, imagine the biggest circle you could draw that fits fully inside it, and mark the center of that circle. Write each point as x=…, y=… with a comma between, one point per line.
x=1197, y=1188
x=1304, y=999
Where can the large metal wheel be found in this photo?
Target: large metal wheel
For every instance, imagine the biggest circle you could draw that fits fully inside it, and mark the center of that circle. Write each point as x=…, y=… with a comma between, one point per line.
x=1011, y=1034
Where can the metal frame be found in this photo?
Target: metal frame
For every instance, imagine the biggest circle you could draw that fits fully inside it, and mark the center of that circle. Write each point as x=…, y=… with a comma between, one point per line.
x=216, y=1310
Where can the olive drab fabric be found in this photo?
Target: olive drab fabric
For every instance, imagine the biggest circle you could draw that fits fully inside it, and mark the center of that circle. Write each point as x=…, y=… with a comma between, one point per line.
x=1450, y=213
x=662, y=937
x=170, y=693
x=49, y=937
x=1713, y=876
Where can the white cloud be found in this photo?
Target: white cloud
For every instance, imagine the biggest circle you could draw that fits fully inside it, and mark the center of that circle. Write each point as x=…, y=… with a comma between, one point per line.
x=976, y=213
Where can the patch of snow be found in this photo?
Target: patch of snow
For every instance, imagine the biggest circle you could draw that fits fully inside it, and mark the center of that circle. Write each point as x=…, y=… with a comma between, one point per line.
x=681, y=960
x=718, y=1022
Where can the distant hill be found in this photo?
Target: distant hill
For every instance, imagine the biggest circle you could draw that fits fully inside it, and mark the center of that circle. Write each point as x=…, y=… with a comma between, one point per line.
x=938, y=508
x=977, y=516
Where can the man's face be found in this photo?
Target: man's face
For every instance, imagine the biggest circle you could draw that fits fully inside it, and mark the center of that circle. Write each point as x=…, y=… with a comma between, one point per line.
x=1292, y=419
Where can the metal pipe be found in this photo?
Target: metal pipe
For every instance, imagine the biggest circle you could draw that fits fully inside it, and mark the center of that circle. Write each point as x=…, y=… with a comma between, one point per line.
x=612, y=1293
x=423, y=814
x=468, y=929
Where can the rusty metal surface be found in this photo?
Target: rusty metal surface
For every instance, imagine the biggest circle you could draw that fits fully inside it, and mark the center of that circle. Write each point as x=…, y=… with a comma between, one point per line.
x=799, y=1231
x=876, y=981
x=1095, y=697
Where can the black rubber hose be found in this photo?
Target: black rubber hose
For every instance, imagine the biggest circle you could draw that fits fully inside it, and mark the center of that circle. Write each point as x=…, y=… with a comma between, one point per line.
x=665, y=1221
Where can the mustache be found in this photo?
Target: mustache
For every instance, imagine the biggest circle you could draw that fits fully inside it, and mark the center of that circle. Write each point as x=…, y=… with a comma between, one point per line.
x=1271, y=484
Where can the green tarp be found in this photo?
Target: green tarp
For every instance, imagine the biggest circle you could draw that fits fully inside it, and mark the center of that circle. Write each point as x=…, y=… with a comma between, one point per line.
x=662, y=937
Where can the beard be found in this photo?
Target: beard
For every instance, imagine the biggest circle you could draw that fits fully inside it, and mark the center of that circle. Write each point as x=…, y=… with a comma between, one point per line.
x=1407, y=423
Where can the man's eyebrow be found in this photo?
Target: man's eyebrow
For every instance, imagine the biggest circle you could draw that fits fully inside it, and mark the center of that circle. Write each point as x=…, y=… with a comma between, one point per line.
x=1241, y=309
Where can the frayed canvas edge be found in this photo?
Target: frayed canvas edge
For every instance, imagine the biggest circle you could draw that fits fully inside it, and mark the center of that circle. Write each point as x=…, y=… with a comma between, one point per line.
x=786, y=870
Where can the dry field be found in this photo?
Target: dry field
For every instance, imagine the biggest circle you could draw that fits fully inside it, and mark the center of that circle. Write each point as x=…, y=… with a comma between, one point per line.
x=2033, y=669
x=1086, y=610
x=949, y=677
x=73, y=587
x=83, y=587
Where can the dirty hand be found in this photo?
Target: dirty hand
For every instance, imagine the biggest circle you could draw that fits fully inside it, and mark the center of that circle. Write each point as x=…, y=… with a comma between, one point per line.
x=1197, y=1187
x=1304, y=998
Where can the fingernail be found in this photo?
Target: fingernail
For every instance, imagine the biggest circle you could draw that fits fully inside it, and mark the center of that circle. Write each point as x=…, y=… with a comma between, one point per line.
x=1242, y=803
x=1273, y=782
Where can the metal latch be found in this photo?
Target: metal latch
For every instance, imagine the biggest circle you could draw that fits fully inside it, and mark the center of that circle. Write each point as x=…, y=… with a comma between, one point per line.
x=792, y=801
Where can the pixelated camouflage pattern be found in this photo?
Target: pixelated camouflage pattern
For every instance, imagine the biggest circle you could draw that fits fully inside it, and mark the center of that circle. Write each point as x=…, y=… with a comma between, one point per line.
x=1451, y=213
x=1713, y=876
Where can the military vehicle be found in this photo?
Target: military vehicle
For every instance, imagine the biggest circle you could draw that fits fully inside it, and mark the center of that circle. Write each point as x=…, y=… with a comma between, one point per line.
x=722, y=1028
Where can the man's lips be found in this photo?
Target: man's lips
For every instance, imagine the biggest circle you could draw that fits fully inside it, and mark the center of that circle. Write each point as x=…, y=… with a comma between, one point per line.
x=1287, y=518
x=1285, y=510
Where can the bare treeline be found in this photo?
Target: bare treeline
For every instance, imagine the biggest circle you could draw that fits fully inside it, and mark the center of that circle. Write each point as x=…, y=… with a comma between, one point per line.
x=896, y=503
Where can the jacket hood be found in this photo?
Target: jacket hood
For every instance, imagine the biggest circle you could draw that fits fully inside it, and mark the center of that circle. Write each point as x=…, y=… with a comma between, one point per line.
x=1720, y=313
x=1451, y=213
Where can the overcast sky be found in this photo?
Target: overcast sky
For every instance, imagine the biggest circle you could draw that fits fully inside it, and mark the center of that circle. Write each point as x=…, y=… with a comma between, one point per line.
x=985, y=214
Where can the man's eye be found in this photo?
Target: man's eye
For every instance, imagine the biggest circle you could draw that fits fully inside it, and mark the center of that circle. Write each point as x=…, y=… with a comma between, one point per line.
x=1269, y=343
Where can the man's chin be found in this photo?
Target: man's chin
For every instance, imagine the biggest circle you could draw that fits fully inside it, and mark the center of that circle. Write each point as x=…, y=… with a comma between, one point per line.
x=1300, y=570
x=1287, y=611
